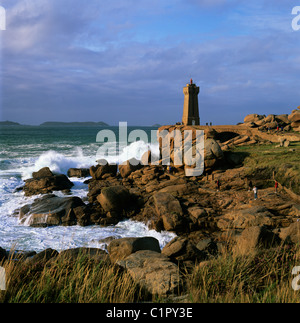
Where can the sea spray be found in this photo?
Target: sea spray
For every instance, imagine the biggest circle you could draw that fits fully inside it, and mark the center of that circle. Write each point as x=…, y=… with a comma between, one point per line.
x=134, y=150
x=58, y=162
x=24, y=150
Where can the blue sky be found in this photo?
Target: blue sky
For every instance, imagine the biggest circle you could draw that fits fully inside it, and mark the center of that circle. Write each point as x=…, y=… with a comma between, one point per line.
x=75, y=60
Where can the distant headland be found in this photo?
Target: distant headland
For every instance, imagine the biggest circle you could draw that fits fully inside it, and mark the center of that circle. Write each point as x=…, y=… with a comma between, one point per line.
x=58, y=123
x=9, y=123
x=87, y=123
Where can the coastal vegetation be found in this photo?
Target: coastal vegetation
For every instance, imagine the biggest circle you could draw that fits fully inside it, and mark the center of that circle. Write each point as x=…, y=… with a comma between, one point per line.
x=268, y=162
x=265, y=277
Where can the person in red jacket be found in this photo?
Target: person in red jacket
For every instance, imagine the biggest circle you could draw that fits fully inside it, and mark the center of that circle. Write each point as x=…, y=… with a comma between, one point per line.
x=276, y=186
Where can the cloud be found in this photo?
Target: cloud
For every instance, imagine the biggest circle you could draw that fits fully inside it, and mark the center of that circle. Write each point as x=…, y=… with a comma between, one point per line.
x=128, y=60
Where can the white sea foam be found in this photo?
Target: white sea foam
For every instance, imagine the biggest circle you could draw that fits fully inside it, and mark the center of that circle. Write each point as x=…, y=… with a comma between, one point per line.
x=134, y=150
x=16, y=169
x=58, y=163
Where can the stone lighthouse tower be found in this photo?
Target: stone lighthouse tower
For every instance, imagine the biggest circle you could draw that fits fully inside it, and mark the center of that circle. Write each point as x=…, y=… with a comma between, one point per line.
x=190, y=105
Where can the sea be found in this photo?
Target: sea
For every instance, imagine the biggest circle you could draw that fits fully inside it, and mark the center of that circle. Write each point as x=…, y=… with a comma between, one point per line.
x=26, y=149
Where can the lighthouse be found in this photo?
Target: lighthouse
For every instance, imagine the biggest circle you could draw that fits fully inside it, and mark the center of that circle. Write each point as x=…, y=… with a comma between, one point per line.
x=190, y=106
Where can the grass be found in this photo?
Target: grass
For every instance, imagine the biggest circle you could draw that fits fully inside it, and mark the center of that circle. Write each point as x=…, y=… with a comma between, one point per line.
x=257, y=278
x=260, y=161
x=64, y=281
x=263, y=277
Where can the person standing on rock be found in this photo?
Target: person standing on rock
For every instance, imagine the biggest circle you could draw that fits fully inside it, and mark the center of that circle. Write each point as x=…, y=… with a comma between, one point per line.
x=276, y=186
x=218, y=185
x=255, y=192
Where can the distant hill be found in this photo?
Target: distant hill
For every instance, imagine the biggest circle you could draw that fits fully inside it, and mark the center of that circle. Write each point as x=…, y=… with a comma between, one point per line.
x=85, y=124
x=9, y=123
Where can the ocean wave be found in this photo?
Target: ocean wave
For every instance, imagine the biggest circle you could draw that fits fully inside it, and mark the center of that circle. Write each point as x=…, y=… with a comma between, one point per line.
x=58, y=163
x=113, y=154
x=17, y=168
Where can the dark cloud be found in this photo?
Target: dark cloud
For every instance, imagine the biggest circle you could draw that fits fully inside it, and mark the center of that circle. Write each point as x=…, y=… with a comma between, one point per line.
x=110, y=60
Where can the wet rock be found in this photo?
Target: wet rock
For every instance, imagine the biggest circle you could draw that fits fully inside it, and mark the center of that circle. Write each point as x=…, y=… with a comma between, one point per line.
x=43, y=172
x=44, y=181
x=78, y=172
x=114, y=198
x=50, y=210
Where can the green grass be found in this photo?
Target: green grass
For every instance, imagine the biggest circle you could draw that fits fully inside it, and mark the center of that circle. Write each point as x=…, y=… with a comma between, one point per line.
x=258, y=278
x=263, y=277
x=64, y=281
x=260, y=161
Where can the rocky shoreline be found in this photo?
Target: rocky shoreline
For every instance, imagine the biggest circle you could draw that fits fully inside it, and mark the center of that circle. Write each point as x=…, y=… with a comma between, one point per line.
x=208, y=220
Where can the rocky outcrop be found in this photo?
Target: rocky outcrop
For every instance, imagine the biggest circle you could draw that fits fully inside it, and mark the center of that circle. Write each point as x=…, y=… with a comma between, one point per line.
x=182, y=249
x=285, y=121
x=44, y=181
x=154, y=272
x=213, y=153
x=95, y=254
x=255, y=238
x=291, y=233
x=168, y=147
x=207, y=221
x=51, y=210
x=114, y=198
x=129, y=167
x=163, y=212
x=246, y=217
x=119, y=249
x=103, y=169
x=41, y=258
x=78, y=172
x=253, y=118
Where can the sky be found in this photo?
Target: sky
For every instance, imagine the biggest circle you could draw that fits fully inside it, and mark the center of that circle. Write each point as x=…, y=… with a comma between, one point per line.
x=128, y=60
